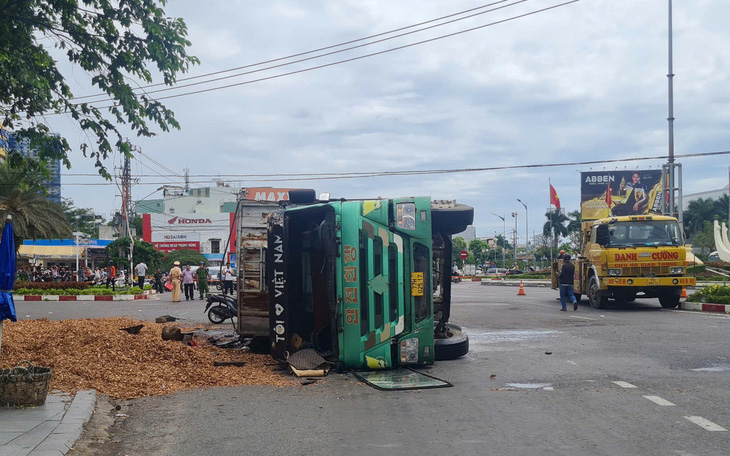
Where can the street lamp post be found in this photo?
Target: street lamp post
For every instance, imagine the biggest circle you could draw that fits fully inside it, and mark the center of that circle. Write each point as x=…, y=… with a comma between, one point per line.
x=504, y=236
x=527, y=232
x=514, y=237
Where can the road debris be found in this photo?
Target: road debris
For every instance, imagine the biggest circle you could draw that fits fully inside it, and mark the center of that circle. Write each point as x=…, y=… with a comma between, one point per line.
x=95, y=354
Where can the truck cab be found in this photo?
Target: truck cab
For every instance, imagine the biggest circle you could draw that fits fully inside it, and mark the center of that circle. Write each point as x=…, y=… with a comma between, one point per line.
x=629, y=256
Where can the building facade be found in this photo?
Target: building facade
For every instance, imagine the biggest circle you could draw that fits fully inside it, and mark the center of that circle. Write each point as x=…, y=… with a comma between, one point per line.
x=52, y=184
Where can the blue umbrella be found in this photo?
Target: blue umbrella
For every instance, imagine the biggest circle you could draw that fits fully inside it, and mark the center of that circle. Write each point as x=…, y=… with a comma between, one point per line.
x=7, y=272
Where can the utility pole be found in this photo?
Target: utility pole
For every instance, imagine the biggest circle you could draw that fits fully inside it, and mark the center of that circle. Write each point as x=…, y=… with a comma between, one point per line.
x=126, y=197
x=187, y=180
x=671, y=171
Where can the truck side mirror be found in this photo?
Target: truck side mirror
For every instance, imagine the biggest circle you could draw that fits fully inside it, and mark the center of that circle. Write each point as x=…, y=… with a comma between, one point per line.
x=602, y=236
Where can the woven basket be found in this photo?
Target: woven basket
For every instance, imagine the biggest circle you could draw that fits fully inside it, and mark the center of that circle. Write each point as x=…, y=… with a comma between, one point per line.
x=24, y=385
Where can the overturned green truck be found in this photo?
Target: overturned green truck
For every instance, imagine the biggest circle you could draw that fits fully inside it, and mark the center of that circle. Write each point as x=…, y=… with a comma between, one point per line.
x=366, y=283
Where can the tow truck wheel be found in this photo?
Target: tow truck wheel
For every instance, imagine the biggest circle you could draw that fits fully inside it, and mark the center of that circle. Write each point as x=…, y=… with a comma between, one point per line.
x=454, y=346
x=594, y=297
x=669, y=301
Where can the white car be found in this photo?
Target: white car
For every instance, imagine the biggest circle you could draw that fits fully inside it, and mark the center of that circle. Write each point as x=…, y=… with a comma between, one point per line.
x=714, y=256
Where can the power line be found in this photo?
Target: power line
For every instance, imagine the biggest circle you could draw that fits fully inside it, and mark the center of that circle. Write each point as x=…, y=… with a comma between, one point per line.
x=339, y=62
x=345, y=43
x=369, y=174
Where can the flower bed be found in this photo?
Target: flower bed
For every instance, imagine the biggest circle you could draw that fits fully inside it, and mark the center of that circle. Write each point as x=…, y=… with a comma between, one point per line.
x=97, y=291
x=714, y=294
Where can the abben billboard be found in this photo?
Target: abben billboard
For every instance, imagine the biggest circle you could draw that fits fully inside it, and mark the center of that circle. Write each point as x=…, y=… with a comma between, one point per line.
x=615, y=193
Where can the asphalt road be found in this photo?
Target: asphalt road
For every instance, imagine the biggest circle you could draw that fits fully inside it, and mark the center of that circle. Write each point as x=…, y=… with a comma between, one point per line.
x=627, y=380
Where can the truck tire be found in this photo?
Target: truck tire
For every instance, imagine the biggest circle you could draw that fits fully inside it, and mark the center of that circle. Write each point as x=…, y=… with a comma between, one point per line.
x=455, y=346
x=669, y=301
x=453, y=219
x=302, y=196
x=594, y=296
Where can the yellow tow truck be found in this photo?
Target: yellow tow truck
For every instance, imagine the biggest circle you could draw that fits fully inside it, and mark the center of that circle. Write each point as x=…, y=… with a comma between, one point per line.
x=629, y=256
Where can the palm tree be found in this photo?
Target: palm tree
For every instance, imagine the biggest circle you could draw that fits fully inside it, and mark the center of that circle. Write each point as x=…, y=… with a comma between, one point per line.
x=555, y=227
x=701, y=210
x=34, y=216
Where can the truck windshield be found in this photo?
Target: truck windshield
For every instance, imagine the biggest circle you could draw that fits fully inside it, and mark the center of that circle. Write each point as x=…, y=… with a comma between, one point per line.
x=644, y=233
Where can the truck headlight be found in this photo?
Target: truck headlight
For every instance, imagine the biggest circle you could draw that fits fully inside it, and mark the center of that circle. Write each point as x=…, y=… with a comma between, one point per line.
x=676, y=270
x=614, y=272
x=406, y=216
x=409, y=351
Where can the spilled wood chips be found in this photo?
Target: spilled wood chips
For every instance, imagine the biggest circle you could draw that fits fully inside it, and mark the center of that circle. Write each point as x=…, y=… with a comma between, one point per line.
x=94, y=353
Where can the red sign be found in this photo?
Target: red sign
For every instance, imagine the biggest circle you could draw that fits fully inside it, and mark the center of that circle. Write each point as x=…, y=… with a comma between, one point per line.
x=169, y=246
x=464, y=254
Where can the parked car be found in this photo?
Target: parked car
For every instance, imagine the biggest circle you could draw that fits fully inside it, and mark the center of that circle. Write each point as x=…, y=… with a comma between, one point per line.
x=714, y=256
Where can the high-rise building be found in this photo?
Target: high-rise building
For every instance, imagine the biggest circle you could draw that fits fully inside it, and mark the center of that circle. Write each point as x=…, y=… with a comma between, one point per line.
x=52, y=184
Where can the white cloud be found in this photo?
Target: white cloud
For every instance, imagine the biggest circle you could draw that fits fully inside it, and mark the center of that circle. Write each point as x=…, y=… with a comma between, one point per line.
x=582, y=82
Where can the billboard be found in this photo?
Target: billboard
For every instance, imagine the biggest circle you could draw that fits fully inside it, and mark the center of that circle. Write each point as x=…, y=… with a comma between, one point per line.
x=615, y=193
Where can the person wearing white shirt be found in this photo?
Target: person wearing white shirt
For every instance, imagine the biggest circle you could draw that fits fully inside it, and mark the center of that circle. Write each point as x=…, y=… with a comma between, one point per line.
x=227, y=279
x=141, y=270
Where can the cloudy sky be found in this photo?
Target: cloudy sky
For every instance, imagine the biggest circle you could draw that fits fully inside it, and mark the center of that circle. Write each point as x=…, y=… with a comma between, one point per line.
x=584, y=81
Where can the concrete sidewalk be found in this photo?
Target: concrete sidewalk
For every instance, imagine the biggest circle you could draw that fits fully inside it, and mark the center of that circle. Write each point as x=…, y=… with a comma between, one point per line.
x=49, y=429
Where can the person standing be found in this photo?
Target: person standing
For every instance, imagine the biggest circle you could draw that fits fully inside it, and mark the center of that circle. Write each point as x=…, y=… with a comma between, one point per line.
x=566, y=278
x=175, y=275
x=141, y=271
x=202, y=276
x=111, y=276
x=188, y=283
x=227, y=279
x=158, y=281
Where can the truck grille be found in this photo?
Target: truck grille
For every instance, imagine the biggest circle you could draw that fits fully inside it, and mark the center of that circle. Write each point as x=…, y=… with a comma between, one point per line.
x=653, y=271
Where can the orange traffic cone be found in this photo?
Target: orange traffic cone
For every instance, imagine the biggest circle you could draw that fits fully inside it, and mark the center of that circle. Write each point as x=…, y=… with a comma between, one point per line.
x=684, y=293
x=522, y=290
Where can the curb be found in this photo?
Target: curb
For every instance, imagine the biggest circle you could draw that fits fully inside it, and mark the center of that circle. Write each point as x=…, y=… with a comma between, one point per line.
x=704, y=307
x=80, y=297
x=69, y=429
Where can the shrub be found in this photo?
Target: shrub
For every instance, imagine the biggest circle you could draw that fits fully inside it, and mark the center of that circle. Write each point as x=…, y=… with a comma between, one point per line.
x=715, y=294
x=696, y=269
x=50, y=285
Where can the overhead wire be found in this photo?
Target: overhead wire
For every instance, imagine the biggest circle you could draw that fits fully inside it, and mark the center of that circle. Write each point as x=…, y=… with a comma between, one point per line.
x=345, y=43
x=285, y=177
x=352, y=59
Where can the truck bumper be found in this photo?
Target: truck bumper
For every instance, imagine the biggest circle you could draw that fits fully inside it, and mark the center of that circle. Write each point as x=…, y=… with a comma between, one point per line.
x=647, y=282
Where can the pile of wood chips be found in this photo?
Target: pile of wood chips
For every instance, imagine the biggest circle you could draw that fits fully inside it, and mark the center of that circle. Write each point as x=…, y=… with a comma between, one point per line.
x=94, y=353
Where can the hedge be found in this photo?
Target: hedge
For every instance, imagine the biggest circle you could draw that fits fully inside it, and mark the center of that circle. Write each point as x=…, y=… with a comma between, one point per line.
x=100, y=291
x=50, y=285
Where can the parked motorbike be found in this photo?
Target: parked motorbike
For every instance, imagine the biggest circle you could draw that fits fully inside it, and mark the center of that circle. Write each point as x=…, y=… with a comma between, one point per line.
x=220, y=308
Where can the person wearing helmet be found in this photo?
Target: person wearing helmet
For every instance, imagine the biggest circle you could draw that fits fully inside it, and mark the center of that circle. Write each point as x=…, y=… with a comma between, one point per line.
x=565, y=279
x=175, y=275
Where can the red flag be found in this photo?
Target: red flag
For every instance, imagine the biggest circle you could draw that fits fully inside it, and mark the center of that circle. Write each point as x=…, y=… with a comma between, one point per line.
x=554, y=197
x=608, y=195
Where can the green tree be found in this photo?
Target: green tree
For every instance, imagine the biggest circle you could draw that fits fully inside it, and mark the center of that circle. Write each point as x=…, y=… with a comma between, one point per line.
x=700, y=211
x=556, y=226
x=34, y=216
x=705, y=239
x=184, y=256
x=117, y=44
x=79, y=219
x=458, y=244
x=118, y=252
x=478, y=250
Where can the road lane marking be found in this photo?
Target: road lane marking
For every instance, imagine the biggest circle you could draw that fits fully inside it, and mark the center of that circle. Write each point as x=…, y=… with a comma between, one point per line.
x=624, y=385
x=659, y=401
x=707, y=424
x=584, y=318
x=572, y=362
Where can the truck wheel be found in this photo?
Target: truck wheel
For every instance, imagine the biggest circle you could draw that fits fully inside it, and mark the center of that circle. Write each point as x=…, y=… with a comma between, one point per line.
x=452, y=347
x=594, y=296
x=302, y=196
x=453, y=219
x=669, y=301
